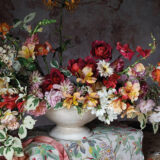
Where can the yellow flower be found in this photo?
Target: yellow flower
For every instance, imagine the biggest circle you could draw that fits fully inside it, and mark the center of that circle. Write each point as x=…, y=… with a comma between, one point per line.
x=118, y=105
x=50, y=3
x=72, y=100
x=91, y=100
x=130, y=112
x=131, y=91
x=27, y=51
x=86, y=76
x=4, y=85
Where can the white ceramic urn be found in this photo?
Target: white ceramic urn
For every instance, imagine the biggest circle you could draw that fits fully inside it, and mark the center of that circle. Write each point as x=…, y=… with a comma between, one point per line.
x=70, y=124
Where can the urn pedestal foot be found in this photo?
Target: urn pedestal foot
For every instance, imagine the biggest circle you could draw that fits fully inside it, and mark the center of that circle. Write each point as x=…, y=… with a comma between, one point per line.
x=66, y=133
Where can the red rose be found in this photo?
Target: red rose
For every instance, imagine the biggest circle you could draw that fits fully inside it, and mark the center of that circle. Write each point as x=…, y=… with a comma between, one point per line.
x=125, y=50
x=111, y=82
x=55, y=77
x=101, y=50
x=143, y=53
x=118, y=65
x=74, y=65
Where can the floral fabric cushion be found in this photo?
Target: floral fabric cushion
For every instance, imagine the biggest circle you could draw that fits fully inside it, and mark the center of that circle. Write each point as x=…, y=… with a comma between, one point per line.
x=107, y=143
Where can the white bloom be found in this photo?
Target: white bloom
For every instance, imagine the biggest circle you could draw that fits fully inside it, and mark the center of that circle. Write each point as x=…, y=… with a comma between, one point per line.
x=8, y=117
x=13, y=125
x=29, y=122
x=104, y=68
x=105, y=112
x=154, y=117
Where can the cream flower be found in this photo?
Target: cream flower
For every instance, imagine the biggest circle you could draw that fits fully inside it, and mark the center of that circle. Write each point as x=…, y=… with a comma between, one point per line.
x=27, y=51
x=104, y=68
x=130, y=90
x=118, y=105
x=13, y=125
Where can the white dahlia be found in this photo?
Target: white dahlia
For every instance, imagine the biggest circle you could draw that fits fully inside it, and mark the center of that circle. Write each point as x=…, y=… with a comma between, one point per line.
x=104, y=68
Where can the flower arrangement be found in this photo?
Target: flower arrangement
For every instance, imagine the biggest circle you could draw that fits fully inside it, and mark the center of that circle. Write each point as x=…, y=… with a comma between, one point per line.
x=106, y=87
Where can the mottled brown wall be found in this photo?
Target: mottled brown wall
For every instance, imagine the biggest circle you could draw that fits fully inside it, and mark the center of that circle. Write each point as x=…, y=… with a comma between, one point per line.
x=127, y=21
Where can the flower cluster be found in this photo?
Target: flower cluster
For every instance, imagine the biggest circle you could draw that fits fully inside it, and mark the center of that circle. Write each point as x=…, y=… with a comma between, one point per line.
x=97, y=83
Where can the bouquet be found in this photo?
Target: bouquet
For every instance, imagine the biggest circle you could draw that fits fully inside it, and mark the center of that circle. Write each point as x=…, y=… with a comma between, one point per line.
x=98, y=83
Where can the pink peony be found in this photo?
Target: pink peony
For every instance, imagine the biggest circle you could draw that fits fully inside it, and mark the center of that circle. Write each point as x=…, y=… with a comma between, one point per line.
x=40, y=109
x=146, y=105
x=53, y=97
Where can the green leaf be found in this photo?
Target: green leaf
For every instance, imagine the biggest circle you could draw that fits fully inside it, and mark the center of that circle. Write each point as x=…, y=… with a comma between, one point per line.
x=27, y=63
x=8, y=153
x=143, y=120
x=79, y=109
x=54, y=64
x=155, y=127
x=9, y=141
x=2, y=136
x=22, y=132
x=31, y=103
x=67, y=73
x=59, y=105
x=18, y=152
x=29, y=17
x=17, y=24
x=1, y=150
x=36, y=102
x=17, y=142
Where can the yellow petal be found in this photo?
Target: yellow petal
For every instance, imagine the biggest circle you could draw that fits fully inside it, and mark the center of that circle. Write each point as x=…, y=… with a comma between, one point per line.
x=91, y=80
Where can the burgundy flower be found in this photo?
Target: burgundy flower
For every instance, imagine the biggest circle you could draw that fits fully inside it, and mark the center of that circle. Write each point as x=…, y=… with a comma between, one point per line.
x=118, y=65
x=143, y=53
x=101, y=50
x=74, y=65
x=90, y=62
x=125, y=50
x=55, y=77
x=144, y=89
x=111, y=82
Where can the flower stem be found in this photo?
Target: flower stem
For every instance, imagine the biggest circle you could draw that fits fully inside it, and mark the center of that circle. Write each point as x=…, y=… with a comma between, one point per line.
x=61, y=37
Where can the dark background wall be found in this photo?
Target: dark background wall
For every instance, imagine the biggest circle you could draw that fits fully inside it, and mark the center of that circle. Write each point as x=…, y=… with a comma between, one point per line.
x=127, y=21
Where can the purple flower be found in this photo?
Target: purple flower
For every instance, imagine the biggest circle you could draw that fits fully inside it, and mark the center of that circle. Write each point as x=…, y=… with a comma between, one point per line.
x=146, y=105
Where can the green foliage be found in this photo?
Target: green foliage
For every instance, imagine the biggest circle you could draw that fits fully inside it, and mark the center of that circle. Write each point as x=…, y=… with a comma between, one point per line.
x=155, y=127
x=54, y=64
x=22, y=132
x=143, y=120
x=59, y=105
x=28, y=64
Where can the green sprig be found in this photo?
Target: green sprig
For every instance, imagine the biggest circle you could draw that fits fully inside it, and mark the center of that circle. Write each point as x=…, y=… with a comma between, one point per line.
x=43, y=23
